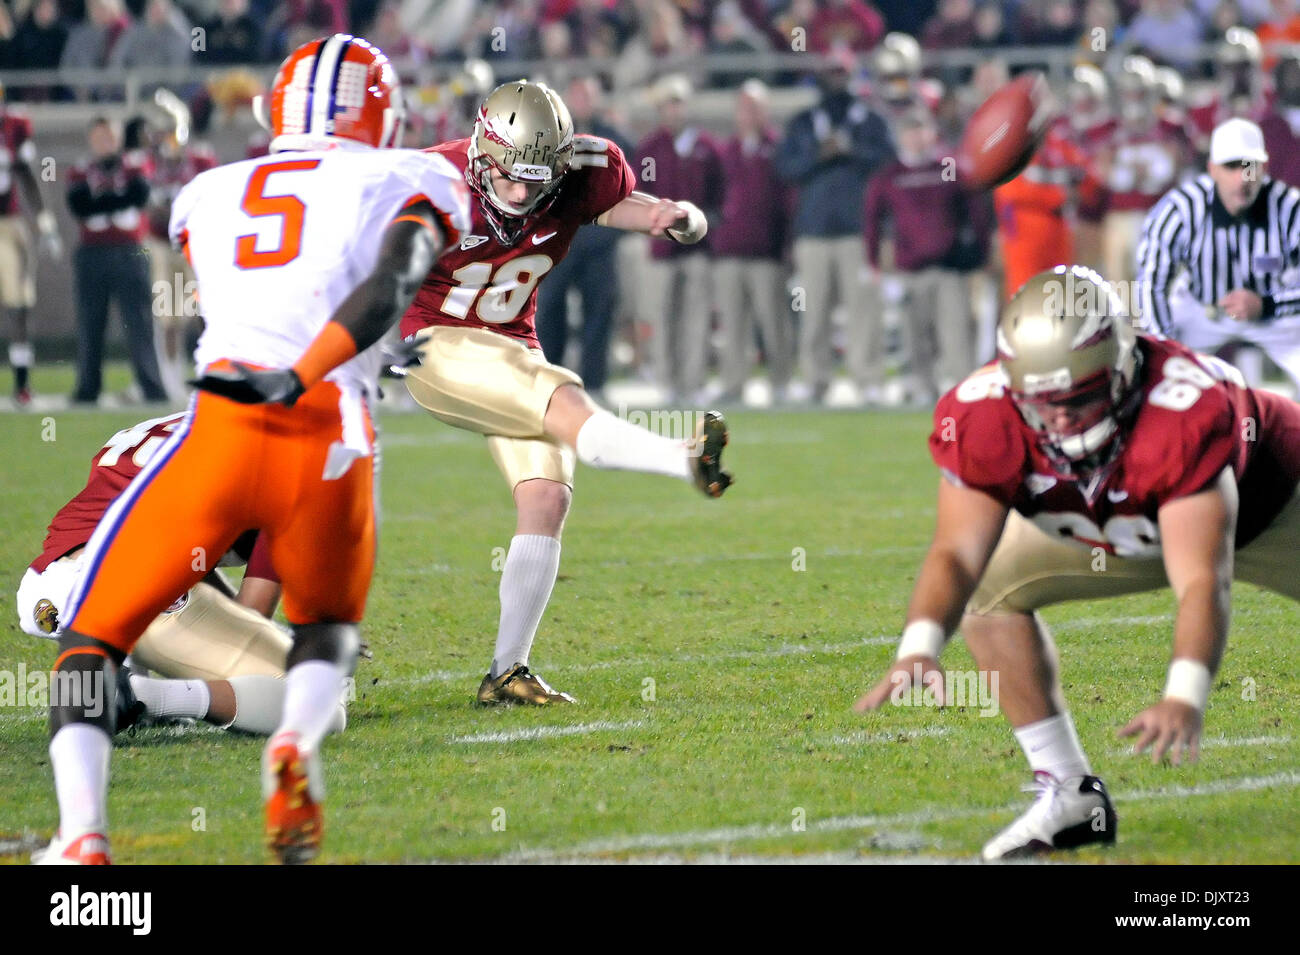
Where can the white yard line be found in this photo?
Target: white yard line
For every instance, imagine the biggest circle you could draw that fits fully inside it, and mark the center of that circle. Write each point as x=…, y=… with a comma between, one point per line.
x=547, y=732
x=858, y=739
x=1223, y=742
x=754, y=831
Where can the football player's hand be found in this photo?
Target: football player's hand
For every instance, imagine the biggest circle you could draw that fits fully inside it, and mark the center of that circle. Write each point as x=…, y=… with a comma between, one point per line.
x=1242, y=305
x=401, y=355
x=1170, y=726
x=249, y=386
x=666, y=215
x=899, y=682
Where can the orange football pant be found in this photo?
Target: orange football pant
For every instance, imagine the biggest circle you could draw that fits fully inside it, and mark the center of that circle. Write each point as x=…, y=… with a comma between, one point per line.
x=231, y=468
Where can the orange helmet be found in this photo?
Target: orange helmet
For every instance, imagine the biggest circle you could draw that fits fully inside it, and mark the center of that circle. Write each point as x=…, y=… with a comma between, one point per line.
x=338, y=87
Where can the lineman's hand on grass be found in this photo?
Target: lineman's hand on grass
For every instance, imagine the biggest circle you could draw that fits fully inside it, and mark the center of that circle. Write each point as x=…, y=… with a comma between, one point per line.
x=1170, y=725
x=900, y=680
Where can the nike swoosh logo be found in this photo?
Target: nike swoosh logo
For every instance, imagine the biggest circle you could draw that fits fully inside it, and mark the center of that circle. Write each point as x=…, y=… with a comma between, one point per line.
x=539, y=239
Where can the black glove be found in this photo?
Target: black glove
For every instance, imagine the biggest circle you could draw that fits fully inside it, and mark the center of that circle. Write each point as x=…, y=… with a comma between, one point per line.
x=251, y=387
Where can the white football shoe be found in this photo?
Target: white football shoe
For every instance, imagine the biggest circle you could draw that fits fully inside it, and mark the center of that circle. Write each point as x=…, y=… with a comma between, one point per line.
x=90, y=848
x=1067, y=813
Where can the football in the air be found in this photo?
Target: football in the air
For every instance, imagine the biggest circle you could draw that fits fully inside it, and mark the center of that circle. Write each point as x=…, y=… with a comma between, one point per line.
x=1004, y=133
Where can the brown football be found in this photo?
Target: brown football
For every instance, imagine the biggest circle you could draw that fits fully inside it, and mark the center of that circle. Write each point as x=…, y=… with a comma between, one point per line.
x=1004, y=133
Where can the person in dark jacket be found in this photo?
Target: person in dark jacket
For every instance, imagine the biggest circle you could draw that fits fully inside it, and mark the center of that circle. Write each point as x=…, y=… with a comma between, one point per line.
x=107, y=195
x=829, y=151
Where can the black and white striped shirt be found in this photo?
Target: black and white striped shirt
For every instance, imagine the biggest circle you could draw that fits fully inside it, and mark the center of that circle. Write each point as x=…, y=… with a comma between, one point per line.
x=1189, y=229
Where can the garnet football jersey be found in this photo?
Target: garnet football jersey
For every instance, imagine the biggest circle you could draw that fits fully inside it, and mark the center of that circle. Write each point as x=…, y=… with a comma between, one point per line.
x=1144, y=165
x=1191, y=422
x=172, y=171
x=278, y=243
x=112, y=468
x=483, y=284
x=16, y=146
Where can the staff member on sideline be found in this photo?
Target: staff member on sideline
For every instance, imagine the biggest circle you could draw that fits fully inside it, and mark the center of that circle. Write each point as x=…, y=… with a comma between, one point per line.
x=108, y=195
x=1219, y=259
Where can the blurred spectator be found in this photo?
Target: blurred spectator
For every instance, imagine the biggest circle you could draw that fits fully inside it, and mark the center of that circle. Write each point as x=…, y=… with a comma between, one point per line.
x=1090, y=125
x=1253, y=12
x=748, y=239
x=19, y=191
x=940, y=234
x=387, y=33
x=951, y=27
x=162, y=39
x=596, y=27
x=233, y=36
x=591, y=265
x=38, y=42
x=107, y=194
x=90, y=41
x=453, y=105
x=1102, y=30
x=663, y=35
x=511, y=31
x=1282, y=28
x=731, y=33
x=1167, y=31
x=681, y=161
x=1224, y=15
x=852, y=24
x=440, y=25
x=828, y=152
x=1048, y=23
x=1281, y=124
x=990, y=27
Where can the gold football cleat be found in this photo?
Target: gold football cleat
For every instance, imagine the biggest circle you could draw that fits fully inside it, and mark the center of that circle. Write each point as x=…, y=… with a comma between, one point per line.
x=518, y=685
x=707, y=464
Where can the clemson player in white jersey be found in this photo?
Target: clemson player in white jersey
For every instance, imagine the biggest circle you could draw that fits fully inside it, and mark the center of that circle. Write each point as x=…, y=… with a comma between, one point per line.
x=295, y=291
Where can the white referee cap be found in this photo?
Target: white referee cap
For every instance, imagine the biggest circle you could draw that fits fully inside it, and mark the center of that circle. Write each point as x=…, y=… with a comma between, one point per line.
x=1236, y=140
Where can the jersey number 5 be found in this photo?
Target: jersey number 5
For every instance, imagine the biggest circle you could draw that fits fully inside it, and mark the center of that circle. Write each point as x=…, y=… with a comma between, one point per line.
x=289, y=208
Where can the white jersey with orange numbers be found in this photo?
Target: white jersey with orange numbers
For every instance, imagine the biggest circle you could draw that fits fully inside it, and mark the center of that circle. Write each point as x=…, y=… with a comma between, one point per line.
x=278, y=242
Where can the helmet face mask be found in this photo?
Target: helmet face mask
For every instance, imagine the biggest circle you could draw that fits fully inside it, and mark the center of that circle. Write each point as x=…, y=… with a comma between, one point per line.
x=1069, y=361
x=523, y=133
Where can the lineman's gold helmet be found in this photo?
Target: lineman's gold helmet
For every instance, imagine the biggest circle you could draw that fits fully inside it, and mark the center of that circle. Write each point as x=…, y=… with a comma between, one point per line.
x=1064, y=339
x=524, y=132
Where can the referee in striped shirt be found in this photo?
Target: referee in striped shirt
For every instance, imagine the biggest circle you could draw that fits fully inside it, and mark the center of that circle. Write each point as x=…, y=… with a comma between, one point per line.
x=1219, y=257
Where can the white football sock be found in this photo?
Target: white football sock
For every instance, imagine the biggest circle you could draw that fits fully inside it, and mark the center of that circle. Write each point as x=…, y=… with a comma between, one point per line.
x=527, y=580
x=607, y=441
x=172, y=698
x=1052, y=746
x=312, y=692
x=79, y=756
x=259, y=706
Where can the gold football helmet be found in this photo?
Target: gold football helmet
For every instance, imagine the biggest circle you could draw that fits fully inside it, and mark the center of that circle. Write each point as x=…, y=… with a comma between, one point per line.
x=1069, y=360
x=524, y=132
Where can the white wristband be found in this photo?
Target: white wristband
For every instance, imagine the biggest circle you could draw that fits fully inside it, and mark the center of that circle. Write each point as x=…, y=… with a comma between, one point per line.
x=921, y=638
x=1189, y=681
x=697, y=226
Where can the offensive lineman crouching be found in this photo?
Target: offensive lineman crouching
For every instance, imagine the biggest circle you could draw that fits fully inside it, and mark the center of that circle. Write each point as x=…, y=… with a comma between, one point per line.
x=1087, y=435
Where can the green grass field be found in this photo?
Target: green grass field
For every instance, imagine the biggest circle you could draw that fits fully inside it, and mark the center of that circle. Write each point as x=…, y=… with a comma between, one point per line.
x=714, y=679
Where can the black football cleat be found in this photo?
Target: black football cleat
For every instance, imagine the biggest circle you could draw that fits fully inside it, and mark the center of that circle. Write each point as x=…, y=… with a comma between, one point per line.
x=706, y=464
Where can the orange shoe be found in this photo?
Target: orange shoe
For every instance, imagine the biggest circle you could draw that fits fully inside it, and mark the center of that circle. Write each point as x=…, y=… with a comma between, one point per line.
x=88, y=849
x=293, y=790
